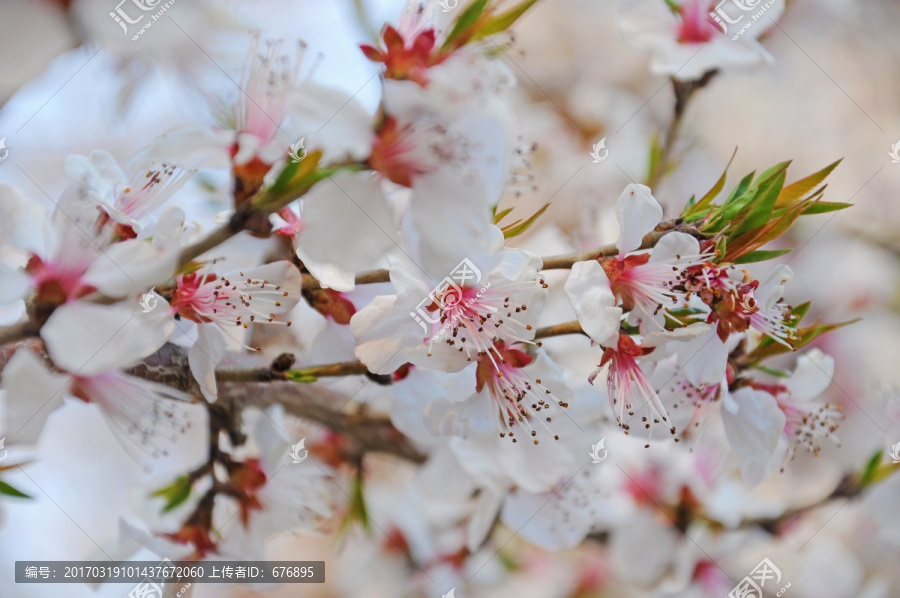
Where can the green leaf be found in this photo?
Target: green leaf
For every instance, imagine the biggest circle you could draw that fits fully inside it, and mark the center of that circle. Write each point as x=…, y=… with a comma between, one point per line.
x=742, y=187
x=655, y=156
x=503, y=21
x=761, y=255
x=466, y=21
x=175, y=493
x=755, y=239
x=764, y=201
x=773, y=372
x=799, y=311
x=498, y=217
x=7, y=490
x=797, y=190
x=517, y=229
x=823, y=207
x=696, y=211
x=871, y=468
x=357, y=511
x=804, y=336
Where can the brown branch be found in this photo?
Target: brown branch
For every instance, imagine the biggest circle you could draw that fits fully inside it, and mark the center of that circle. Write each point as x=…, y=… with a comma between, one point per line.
x=555, y=262
x=346, y=368
x=17, y=332
x=573, y=327
x=567, y=260
x=355, y=368
x=684, y=90
x=263, y=387
x=317, y=403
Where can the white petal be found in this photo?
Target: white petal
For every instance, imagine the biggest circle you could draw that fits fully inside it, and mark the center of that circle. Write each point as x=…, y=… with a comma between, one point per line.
x=348, y=228
x=21, y=220
x=14, y=284
x=448, y=219
x=703, y=360
x=812, y=376
x=203, y=357
x=638, y=213
x=191, y=147
x=87, y=338
x=673, y=245
x=753, y=431
x=482, y=520
x=344, y=134
x=588, y=290
x=131, y=266
x=31, y=393
x=381, y=335
x=549, y=528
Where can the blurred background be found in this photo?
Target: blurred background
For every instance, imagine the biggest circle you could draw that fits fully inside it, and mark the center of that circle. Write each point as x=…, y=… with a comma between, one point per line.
x=71, y=83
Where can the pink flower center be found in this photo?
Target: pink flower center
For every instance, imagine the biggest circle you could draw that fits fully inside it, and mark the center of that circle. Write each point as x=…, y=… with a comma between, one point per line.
x=696, y=26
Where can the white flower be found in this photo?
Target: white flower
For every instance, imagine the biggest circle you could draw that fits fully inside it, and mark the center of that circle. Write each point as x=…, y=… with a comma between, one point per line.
x=238, y=298
x=69, y=256
x=593, y=300
x=753, y=423
x=765, y=425
x=440, y=322
x=269, y=495
x=92, y=343
x=127, y=199
x=767, y=312
x=218, y=303
x=686, y=42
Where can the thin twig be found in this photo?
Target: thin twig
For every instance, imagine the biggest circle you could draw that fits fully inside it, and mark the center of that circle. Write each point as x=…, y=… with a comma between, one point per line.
x=16, y=332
